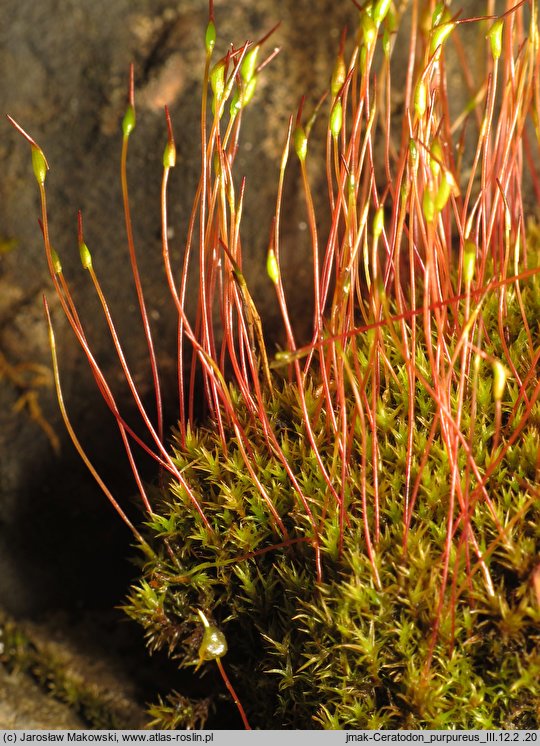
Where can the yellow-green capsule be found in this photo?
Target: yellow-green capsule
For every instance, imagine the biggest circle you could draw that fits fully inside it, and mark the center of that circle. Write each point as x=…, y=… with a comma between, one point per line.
x=56, y=263
x=242, y=98
x=272, y=267
x=380, y=10
x=169, y=155
x=500, y=374
x=350, y=185
x=420, y=98
x=386, y=39
x=338, y=76
x=439, y=35
x=381, y=290
x=428, y=205
x=436, y=157
x=446, y=188
x=336, y=119
x=438, y=14
x=300, y=143
x=404, y=191
x=236, y=103
x=378, y=223
x=369, y=30
x=86, y=257
x=363, y=58
x=39, y=164
x=413, y=154
x=250, y=90
x=249, y=64
x=214, y=643
x=217, y=79
x=346, y=286
x=469, y=262
x=283, y=356
x=210, y=37
x=389, y=30
x=495, y=38
x=128, y=122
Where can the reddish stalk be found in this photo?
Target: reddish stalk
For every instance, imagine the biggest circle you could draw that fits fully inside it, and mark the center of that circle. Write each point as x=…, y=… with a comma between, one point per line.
x=133, y=257
x=75, y=440
x=233, y=694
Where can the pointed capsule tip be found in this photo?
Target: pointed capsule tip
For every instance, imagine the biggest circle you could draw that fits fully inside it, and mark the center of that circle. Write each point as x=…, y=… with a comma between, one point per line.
x=204, y=620
x=131, y=93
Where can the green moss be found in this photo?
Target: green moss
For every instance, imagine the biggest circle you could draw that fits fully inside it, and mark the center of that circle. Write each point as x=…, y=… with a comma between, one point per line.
x=346, y=652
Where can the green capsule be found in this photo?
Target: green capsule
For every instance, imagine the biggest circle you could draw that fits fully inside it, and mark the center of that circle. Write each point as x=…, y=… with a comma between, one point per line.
x=495, y=38
x=380, y=10
x=250, y=90
x=283, y=356
x=350, y=185
x=236, y=103
x=436, y=158
x=338, y=76
x=438, y=15
x=169, y=155
x=214, y=643
x=363, y=58
x=39, y=164
x=346, y=286
x=272, y=267
x=336, y=119
x=128, y=122
x=390, y=26
x=86, y=257
x=413, y=153
x=500, y=374
x=469, y=262
x=242, y=98
x=420, y=98
x=386, y=41
x=378, y=223
x=300, y=143
x=56, y=263
x=249, y=64
x=446, y=188
x=428, y=205
x=439, y=35
x=210, y=37
x=404, y=192
x=369, y=30
x=217, y=79
x=217, y=165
